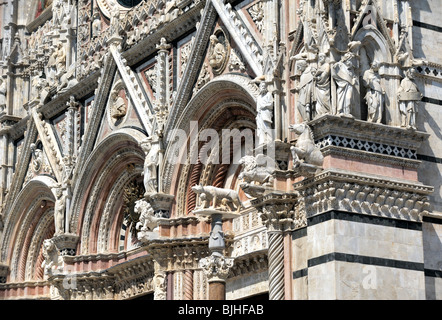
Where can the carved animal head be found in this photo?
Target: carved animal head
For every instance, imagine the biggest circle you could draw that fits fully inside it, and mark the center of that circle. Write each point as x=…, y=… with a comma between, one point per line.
x=198, y=189
x=298, y=128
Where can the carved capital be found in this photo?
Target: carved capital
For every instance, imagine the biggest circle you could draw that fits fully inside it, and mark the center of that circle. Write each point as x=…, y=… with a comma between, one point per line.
x=216, y=267
x=278, y=211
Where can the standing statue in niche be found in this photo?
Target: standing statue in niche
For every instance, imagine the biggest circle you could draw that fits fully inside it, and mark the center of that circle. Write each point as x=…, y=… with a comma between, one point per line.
x=305, y=90
x=150, y=166
x=264, y=118
x=409, y=97
x=322, y=89
x=345, y=77
x=59, y=210
x=2, y=95
x=96, y=25
x=375, y=93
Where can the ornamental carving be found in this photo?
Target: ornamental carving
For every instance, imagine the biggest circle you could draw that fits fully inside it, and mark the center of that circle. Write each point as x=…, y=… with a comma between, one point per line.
x=219, y=51
x=334, y=191
x=216, y=267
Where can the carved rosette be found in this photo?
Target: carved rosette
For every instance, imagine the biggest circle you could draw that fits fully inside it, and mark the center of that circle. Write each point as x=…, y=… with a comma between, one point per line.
x=216, y=267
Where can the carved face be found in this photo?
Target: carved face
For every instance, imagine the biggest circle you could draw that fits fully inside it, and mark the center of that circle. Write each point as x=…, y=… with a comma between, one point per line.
x=48, y=244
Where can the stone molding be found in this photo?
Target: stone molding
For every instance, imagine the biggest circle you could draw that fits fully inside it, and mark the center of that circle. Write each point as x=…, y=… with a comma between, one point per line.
x=350, y=128
x=333, y=190
x=249, y=264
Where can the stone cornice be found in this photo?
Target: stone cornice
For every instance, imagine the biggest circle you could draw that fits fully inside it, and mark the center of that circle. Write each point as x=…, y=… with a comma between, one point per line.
x=250, y=263
x=375, y=181
x=363, y=130
x=363, y=194
x=13, y=125
x=58, y=104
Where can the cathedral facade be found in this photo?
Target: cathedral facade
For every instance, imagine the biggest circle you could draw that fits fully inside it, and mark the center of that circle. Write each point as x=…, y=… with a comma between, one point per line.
x=220, y=149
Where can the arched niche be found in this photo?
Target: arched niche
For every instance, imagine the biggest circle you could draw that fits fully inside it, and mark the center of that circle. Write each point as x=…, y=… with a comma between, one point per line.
x=29, y=221
x=374, y=47
x=97, y=198
x=227, y=102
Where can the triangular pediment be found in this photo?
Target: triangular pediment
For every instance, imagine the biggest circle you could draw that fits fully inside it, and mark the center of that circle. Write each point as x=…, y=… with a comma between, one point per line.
x=119, y=111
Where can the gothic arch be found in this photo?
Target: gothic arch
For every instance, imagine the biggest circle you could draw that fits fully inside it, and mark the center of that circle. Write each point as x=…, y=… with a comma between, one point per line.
x=374, y=44
x=227, y=102
x=36, y=218
x=96, y=201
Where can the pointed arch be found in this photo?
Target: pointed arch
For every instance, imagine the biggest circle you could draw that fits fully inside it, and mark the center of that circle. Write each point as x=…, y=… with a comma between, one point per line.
x=36, y=219
x=96, y=200
x=228, y=101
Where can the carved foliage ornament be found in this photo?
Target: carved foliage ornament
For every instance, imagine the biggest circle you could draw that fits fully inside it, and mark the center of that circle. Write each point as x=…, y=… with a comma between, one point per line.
x=216, y=267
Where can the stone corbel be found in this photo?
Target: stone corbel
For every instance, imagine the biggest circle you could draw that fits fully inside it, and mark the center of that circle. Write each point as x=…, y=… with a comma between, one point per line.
x=66, y=244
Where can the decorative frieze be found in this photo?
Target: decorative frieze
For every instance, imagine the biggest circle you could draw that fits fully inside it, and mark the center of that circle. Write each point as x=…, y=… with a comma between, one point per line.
x=333, y=190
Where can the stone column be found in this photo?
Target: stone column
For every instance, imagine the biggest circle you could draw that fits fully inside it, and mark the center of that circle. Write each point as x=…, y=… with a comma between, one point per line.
x=277, y=212
x=188, y=285
x=217, y=266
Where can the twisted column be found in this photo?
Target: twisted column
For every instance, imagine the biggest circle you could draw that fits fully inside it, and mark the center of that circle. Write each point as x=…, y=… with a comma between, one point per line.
x=276, y=266
x=277, y=212
x=188, y=285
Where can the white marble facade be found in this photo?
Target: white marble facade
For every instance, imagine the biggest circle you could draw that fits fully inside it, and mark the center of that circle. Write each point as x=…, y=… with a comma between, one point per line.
x=95, y=97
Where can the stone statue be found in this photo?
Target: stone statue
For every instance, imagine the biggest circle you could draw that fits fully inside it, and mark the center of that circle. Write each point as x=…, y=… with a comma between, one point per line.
x=305, y=152
x=118, y=106
x=37, y=155
x=160, y=286
x=2, y=95
x=409, y=97
x=375, y=93
x=256, y=170
x=322, y=86
x=215, y=195
x=217, y=54
x=264, y=118
x=147, y=221
x=50, y=254
x=96, y=25
x=60, y=59
x=150, y=165
x=305, y=90
x=59, y=210
x=344, y=75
